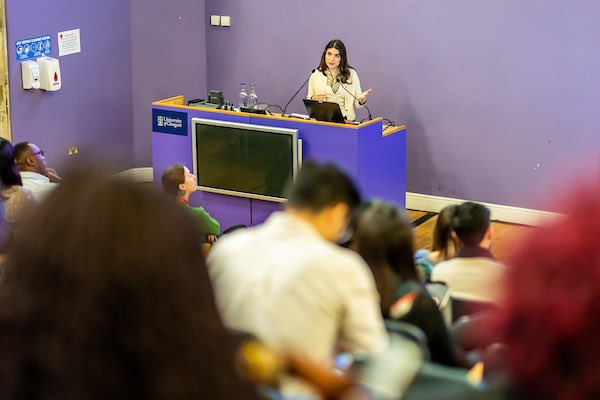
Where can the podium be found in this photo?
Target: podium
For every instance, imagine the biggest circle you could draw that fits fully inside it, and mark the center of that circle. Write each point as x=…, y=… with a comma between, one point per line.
x=375, y=158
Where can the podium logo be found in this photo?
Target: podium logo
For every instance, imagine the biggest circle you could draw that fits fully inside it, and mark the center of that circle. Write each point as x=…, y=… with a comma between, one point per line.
x=172, y=122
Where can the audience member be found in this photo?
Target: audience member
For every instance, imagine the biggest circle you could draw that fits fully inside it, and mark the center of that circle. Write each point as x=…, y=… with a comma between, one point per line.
x=17, y=200
x=289, y=284
x=36, y=175
x=549, y=313
x=179, y=183
x=474, y=274
x=111, y=301
x=443, y=247
x=383, y=237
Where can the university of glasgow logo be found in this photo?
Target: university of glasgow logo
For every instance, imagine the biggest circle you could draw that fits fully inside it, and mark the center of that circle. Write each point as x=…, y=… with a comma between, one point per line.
x=171, y=122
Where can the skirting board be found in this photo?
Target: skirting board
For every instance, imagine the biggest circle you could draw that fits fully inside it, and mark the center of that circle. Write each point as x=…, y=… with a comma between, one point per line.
x=417, y=201
x=138, y=175
x=515, y=215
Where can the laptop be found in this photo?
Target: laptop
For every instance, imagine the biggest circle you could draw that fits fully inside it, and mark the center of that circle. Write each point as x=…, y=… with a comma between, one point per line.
x=324, y=111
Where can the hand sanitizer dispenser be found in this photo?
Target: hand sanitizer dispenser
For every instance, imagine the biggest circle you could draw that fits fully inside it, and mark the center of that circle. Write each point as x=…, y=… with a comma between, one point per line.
x=30, y=74
x=49, y=73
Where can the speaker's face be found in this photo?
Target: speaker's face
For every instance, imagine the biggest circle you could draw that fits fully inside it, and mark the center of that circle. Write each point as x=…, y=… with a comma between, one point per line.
x=332, y=58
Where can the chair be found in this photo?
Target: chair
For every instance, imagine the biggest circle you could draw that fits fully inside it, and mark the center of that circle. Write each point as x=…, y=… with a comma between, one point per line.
x=441, y=295
x=462, y=307
x=410, y=332
x=445, y=383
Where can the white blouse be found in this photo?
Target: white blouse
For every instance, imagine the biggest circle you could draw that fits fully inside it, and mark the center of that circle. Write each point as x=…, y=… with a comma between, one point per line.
x=317, y=84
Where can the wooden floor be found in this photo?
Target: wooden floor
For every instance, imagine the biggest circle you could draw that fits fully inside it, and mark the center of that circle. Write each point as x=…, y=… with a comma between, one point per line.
x=506, y=235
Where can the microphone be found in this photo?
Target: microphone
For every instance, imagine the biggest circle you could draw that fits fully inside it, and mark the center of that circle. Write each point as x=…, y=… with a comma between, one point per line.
x=339, y=80
x=298, y=91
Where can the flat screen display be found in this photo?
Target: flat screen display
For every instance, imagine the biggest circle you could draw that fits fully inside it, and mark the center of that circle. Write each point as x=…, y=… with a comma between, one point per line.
x=245, y=160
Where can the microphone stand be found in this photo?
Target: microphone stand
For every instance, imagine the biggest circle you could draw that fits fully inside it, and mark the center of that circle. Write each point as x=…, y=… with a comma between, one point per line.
x=339, y=80
x=297, y=91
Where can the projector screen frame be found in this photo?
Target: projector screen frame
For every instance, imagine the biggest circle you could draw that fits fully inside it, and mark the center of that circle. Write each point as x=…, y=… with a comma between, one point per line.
x=296, y=154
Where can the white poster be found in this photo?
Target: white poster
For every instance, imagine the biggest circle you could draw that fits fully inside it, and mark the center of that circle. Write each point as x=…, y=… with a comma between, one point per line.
x=69, y=42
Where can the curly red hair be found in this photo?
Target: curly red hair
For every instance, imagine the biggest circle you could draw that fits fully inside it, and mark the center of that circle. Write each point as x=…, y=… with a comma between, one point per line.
x=550, y=315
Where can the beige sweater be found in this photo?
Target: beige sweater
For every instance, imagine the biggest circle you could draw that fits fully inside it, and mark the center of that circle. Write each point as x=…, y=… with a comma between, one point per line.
x=317, y=84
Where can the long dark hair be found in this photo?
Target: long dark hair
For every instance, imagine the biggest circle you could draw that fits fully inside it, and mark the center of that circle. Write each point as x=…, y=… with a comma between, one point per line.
x=111, y=299
x=9, y=175
x=442, y=233
x=383, y=237
x=344, y=66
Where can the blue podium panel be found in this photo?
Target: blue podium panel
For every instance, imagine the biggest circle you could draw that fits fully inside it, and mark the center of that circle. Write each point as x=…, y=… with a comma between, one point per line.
x=376, y=161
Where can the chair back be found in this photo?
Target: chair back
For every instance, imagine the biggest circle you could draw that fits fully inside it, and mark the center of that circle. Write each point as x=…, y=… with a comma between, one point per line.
x=441, y=295
x=462, y=307
x=410, y=332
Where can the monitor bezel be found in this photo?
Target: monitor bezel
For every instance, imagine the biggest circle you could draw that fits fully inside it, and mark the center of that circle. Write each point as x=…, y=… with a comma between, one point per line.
x=251, y=127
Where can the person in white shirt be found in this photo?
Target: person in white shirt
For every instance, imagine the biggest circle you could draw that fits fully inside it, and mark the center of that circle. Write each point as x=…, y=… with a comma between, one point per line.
x=35, y=174
x=289, y=284
x=473, y=274
x=336, y=81
x=17, y=202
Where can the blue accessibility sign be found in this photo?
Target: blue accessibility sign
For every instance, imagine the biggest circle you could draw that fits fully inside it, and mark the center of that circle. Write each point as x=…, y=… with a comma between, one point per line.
x=32, y=48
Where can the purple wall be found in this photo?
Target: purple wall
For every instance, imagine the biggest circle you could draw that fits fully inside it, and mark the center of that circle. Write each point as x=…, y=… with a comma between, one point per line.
x=500, y=97
x=133, y=53
x=93, y=108
x=169, y=59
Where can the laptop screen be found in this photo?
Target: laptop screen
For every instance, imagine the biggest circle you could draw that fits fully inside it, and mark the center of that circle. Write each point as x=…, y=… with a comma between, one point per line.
x=324, y=111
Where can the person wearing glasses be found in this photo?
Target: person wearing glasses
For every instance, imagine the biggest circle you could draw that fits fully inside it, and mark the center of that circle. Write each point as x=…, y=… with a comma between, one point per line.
x=35, y=174
x=15, y=200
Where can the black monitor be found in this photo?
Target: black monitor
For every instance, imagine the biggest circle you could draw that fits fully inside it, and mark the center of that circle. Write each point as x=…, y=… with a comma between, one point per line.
x=324, y=111
x=244, y=160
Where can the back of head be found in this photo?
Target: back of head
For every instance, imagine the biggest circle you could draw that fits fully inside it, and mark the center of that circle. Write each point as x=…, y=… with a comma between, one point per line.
x=470, y=223
x=21, y=152
x=171, y=178
x=551, y=305
x=106, y=296
x=442, y=232
x=320, y=186
x=383, y=237
x=9, y=175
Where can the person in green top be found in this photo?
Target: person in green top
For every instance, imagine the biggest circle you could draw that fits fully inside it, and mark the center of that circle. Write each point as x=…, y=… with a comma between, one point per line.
x=179, y=183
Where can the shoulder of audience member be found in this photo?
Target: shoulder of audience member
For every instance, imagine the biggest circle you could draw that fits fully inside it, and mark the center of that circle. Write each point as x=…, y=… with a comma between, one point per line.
x=340, y=262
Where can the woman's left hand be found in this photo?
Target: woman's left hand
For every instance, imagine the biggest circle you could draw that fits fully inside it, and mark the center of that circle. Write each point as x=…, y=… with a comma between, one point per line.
x=362, y=99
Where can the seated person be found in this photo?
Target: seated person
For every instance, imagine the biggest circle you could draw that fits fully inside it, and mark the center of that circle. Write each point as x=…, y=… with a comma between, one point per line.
x=179, y=183
x=443, y=246
x=35, y=174
x=109, y=302
x=383, y=237
x=549, y=312
x=17, y=200
x=474, y=274
x=288, y=283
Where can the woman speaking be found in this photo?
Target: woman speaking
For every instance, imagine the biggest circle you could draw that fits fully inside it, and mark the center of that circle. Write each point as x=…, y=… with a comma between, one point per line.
x=336, y=81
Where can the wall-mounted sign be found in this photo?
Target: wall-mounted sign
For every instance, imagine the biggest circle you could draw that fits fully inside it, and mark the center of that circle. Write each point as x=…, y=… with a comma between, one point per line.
x=172, y=122
x=33, y=48
x=69, y=42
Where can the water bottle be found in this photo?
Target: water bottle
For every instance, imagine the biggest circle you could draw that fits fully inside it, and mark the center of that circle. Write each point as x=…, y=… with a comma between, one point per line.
x=252, y=98
x=243, y=97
